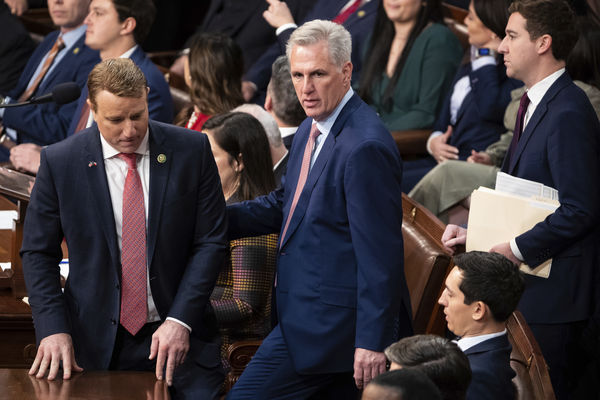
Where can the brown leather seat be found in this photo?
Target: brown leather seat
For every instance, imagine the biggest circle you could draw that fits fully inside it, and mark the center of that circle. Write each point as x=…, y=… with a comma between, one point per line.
x=532, y=380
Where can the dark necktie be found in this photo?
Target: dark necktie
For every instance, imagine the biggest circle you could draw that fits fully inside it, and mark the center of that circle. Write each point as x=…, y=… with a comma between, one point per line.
x=58, y=46
x=519, y=124
x=310, y=144
x=133, y=250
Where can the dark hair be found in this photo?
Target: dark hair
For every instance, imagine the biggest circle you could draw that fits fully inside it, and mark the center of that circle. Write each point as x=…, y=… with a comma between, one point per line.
x=143, y=11
x=281, y=89
x=583, y=62
x=119, y=76
x=439, y=358
x=240, y=133
x=216, y=68
x=408, y=384
x=379, y=50
x=493, y=279
x=493, y=14
x=552, y=17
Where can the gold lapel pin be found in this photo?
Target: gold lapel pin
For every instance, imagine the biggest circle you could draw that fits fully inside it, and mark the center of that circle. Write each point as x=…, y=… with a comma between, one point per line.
x=161, y=158
x=361, y=13
x=76, y=50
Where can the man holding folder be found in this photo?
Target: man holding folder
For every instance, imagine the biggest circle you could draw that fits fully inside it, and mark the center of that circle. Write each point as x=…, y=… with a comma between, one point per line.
x=556, y=143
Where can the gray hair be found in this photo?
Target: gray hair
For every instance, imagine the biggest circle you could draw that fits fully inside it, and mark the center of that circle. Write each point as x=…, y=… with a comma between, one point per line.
x=266, y=120
x=337, y=37
x=283, y=95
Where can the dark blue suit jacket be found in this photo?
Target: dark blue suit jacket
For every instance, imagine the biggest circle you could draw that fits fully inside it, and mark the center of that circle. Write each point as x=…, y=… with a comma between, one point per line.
x=359, y=24
x=48, y=123
x=340, y=276
x=160, y=103
x=560, y=147
x=186, y=241
x=491, y=372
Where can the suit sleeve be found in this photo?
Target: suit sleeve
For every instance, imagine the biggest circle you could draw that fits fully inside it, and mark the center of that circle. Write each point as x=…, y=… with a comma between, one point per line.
x=572, y=151
x=209, y=245
x=260, y=216
x=372, y=182
x=41, y=254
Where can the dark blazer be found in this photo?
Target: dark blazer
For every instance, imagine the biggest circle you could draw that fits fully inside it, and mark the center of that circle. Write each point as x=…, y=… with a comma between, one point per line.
x=160, y=103
x=279, y=172
x=359, y=24
x=186, y=241
x=48, y=123
x=16, y=47
x=559, y=148
x=340, y=277
x=491, y=372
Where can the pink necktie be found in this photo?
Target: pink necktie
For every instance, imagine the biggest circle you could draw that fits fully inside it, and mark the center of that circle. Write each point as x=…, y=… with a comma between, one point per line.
x=310, y=144
x=133, y=251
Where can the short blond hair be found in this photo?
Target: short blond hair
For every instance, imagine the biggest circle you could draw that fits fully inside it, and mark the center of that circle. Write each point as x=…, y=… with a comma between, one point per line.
x=119, y=76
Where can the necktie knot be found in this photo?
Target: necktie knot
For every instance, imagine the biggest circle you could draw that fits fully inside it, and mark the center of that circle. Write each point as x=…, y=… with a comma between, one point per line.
x=314, y=132
x=524, y=101
x=130, y=159
x=59, y=44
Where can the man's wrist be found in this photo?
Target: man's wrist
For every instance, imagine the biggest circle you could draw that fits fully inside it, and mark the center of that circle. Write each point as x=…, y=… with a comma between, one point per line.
x=285, y=27
x=189, y=328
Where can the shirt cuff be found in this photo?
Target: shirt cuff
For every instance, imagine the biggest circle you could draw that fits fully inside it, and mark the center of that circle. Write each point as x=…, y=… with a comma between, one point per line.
x=180, y=323
x=515, y=249
x=482, y=62
x=433, y=135
x=284, y=27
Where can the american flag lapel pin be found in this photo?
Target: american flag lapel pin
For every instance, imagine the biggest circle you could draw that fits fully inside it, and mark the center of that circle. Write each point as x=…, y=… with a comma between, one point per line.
x=92, y=164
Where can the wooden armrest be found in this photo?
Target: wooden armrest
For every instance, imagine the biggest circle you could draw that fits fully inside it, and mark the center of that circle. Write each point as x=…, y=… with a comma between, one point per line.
x=412, y=142
x=240, y=353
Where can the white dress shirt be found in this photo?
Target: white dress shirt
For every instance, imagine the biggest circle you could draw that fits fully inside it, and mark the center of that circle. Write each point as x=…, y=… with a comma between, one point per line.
x=468, y=342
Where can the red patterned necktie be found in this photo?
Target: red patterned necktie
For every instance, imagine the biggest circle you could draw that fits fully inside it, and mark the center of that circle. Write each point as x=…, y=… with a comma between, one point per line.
x=519, y=124
x=133, y=250
x=344, y=15
x=58, y=46
x=310, y=144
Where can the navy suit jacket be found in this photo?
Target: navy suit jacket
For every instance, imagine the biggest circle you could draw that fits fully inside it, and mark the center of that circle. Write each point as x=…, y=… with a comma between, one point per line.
x=491, y=374
x=160, y=103
x=45, y=124
x=559, y=148
x=340, y=276
x=186, y=239
x=359, y=24
x=479, y=118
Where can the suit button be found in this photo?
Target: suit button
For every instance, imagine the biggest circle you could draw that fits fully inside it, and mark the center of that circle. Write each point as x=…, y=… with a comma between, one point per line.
x=113, y=321
x=117, y=286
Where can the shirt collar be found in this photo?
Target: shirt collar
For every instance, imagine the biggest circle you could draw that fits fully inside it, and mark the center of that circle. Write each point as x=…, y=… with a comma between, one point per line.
x=468, y=342
x=326, y=125
x=73, y=36
x=537, y=91
x=108, y=151
x=287, y=130
x=129, y=52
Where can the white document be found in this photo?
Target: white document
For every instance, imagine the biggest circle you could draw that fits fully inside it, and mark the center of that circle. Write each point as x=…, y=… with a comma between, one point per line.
x=7, y=218
x=523, y=187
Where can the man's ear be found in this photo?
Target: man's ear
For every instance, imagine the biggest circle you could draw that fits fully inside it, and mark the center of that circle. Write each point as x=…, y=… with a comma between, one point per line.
x=544, y=44
x=128, y=26
x=92, y=108
x=479, y=310
x=268, y=102
x=347, y=71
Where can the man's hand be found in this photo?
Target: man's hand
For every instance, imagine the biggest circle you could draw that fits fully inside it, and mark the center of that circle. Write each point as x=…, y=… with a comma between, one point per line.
x=278, y=14
x=453, y=236
x=506, y=251
x=52, y=350
x=248, y=90
x=26, y=157
x=367, y=365
x=17, y=7
x=442, y=151
x=480, y=157
x=170, y=343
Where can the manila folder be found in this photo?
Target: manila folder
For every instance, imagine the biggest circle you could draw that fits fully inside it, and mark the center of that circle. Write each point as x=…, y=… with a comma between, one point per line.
x=496, y=217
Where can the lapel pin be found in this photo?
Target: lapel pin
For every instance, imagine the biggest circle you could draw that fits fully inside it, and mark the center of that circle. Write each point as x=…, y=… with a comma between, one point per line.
x=360, y=14
x=76, y=50
x=161, y=158
x=92, y=164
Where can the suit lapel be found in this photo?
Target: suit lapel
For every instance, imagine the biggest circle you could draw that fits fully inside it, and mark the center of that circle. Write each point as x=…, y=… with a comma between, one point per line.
x=93, y=162
x=535, y=119
x=69, y=59
x=160, y=165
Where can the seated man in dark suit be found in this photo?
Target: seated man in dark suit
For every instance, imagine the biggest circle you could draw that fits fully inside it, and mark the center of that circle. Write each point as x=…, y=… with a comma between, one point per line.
x=61, y=57
x=482, y=291
x=282, y=102
x=439, y=358
x=114, y=28
x=141, y=207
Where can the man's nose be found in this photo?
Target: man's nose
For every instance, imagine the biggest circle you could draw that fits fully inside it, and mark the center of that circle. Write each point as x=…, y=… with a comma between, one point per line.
x=128, y=128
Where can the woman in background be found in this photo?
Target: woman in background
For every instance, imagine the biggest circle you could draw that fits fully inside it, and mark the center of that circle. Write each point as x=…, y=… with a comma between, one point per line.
x=242, y=296
x=409, y=64
x=213, y=72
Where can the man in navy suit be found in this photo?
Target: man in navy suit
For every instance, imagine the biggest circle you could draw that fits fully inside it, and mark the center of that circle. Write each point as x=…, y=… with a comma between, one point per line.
x=47, y=123
x=481, y=292
x=83, y=193
x=340, y=286
x=558, y=146
x=114, y=28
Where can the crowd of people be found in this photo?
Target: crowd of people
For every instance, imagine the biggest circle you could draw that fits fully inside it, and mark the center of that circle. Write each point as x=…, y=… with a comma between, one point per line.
x=270, y=207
